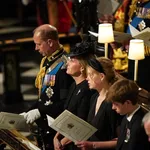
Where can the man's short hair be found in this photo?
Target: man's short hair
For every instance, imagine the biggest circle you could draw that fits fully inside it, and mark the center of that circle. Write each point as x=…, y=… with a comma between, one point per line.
x=123, y=90
x=46, y=32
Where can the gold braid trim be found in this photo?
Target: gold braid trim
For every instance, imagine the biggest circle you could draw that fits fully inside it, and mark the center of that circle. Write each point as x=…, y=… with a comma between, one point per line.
x=119, y=23
x=120, y=60
x=120, y=17
x=40, y=75
x=147, y=50
x=55, y=54
x=133, y=8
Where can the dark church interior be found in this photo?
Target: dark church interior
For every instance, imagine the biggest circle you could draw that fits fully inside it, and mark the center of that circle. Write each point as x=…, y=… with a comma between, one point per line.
x=19, y=62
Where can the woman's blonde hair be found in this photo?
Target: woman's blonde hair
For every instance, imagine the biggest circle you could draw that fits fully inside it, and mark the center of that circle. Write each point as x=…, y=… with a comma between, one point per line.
x=108, y=68
x=83, y=60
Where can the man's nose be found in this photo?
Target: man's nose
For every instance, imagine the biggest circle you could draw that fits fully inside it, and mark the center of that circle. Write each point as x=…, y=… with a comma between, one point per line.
x=36, y=48
x=113, y=107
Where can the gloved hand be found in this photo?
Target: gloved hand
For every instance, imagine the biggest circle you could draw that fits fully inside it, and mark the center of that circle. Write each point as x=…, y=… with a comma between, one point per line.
x=22, y=114
x=32, y=115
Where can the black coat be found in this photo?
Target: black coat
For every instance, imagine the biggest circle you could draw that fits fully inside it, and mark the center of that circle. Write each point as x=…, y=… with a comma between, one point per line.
x=138, y=139
x=106, y=121
x=78, y=101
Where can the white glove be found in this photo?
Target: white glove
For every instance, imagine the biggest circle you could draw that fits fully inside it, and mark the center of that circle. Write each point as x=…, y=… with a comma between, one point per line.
x=22, y=114
x=32, y=115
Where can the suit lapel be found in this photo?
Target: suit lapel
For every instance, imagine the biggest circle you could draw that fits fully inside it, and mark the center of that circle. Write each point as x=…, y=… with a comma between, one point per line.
x=122, y=135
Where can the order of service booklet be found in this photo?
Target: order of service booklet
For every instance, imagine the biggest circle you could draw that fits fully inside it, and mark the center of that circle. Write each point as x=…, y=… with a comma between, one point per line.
x=143, y=35
x=72, y=127
x=13, y=121
x=119, y=37
x=68, y=124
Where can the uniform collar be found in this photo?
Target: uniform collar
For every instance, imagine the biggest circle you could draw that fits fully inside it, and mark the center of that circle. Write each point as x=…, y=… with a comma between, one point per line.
x=56, y=54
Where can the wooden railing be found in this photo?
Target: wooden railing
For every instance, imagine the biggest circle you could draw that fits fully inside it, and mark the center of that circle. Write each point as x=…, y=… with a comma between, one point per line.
x=13, y=139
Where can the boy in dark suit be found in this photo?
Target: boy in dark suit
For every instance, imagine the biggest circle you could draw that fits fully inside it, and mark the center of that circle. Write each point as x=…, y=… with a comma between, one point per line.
x=124, y=97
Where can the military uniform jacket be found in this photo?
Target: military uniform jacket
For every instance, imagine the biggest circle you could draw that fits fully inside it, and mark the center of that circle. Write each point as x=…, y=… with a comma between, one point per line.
x=53, y=88
x=140, y=18
x=137, y=138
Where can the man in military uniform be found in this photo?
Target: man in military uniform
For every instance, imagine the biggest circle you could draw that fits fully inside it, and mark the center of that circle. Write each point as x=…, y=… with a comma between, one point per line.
x=139, y=17
x=136, y=13
x=51, y=81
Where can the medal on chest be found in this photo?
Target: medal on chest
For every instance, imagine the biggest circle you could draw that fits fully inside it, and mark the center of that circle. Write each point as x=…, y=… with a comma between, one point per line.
x=49, y=80
x=142, y=25
x=49, y=92
x=127, y=136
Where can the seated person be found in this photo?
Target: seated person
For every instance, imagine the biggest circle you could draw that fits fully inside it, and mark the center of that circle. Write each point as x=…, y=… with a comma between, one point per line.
x=146, y=123
x=100, y=76
x=124, y=97
x=78, y=101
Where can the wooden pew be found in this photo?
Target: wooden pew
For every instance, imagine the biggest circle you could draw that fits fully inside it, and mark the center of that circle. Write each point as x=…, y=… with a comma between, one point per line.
x=144, y=99
x=13, y=139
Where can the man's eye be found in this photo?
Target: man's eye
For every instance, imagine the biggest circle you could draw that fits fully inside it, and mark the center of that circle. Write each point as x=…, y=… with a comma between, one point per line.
x=38, y=44
x=72, y=59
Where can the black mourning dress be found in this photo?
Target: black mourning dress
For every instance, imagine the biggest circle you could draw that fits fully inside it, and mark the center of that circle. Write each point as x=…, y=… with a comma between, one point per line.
x=106, y=121
x=78, y=102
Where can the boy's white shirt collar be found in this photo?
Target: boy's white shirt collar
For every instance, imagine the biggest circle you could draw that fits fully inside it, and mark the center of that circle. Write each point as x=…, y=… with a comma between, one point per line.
x=131, y=115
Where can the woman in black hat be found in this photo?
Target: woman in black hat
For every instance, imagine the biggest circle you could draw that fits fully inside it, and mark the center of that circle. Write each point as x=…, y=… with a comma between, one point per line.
x=78, y=101
x=100, y=76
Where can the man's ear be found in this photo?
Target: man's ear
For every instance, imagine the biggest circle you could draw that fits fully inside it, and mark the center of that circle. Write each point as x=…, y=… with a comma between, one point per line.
x=128, y=102
x=50, y=43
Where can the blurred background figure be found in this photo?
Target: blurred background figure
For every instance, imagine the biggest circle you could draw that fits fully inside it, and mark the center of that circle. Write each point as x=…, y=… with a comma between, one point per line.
x=59, y=12
x=146, y=123
x=105, y=11
x=55, y=12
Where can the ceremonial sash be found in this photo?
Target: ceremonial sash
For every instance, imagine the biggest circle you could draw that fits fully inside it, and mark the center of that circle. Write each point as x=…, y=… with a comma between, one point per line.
x=137, y=19
x=51, y=73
